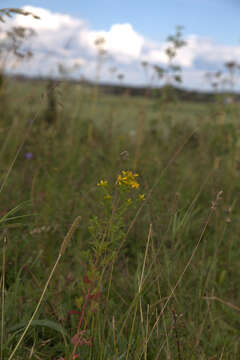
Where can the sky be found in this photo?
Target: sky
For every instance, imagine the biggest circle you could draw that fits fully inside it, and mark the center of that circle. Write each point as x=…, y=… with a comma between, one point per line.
x=134, y=31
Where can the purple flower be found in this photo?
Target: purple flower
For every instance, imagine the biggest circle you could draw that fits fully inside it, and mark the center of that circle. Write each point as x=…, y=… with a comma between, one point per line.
x=28, y=155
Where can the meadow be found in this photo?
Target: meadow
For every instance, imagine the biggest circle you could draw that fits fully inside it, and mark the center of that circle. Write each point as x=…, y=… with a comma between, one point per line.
x=150, y=267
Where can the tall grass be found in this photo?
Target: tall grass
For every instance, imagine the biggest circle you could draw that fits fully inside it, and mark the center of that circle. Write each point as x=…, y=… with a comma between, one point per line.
x=152, y=271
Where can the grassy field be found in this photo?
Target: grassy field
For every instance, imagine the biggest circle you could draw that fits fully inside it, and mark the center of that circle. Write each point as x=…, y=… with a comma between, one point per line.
x=151, y=268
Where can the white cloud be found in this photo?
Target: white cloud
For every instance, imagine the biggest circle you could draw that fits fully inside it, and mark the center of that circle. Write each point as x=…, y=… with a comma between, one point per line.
x=156, y=52
x=64, y=39
x=197, y=48
x=210, y=51
x=124, y=42
x=54, y=29
x=48, y=21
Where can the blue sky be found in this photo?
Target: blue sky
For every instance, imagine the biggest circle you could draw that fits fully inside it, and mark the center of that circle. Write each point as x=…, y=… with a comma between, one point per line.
x=217, y=19
x=210, y=27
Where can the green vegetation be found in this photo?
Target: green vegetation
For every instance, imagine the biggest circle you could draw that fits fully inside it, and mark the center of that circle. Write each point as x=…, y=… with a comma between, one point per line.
x=152, y=269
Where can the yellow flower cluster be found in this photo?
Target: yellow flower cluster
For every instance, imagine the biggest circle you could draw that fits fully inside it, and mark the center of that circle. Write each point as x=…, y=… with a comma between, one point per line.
x=102, y=183
x=128, y=178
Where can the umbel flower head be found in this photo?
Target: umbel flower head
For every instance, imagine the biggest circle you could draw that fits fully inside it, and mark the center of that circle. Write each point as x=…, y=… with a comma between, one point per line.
x=128, y=178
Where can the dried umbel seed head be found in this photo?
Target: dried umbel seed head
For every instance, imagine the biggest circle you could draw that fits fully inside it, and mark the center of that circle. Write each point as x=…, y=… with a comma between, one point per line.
x=100, y=41
x=219, y=195
x=230, y=65
x=120, y=77
x=124, y=155
x=144, y=63
x=218, y=198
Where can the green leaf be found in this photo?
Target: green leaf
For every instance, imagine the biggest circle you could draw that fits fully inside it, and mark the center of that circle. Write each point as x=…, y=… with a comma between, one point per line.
x=45, y=323
x=13, y=211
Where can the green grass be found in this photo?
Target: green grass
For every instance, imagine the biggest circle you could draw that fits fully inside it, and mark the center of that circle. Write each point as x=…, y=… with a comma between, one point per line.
x=163, y=273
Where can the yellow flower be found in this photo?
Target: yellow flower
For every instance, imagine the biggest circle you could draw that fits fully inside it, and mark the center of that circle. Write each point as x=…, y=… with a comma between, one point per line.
x=129, y=201
x=107, y=197
x=128, y=178
x=142, y=197
x=102, y=183
x=134, y=184
x=79, y=301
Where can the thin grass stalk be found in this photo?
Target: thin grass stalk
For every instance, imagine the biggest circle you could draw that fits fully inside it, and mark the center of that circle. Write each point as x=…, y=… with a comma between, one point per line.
x=145, y=258
x=172, y=159
x=227, y=303
x=176, y=334
x=139, y=138
x=3, y=293
x=161, y=303
x=107, y=298
x=4, y=145
x=86, y=301
x=114, y=335
x=131, y=307
x=221, y=357
x=139, y=291
x=31, y=351
x=93, y=321
x=146, y=336
x=131, y=332
x=18, y=152
x=61, y=252
x=211, y=211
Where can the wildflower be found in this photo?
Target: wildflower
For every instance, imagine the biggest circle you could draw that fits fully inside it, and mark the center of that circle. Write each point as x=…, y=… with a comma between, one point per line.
x=129, y=201
x=102, y=183
x=134, y=184
x=28, y=155
x=128, y=178
x=107, y=197
x=142, y=197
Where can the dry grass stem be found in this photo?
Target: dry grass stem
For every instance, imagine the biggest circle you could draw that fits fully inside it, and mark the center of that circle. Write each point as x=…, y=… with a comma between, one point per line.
x=61, y=252
x=3, y=293
x=213, y=208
